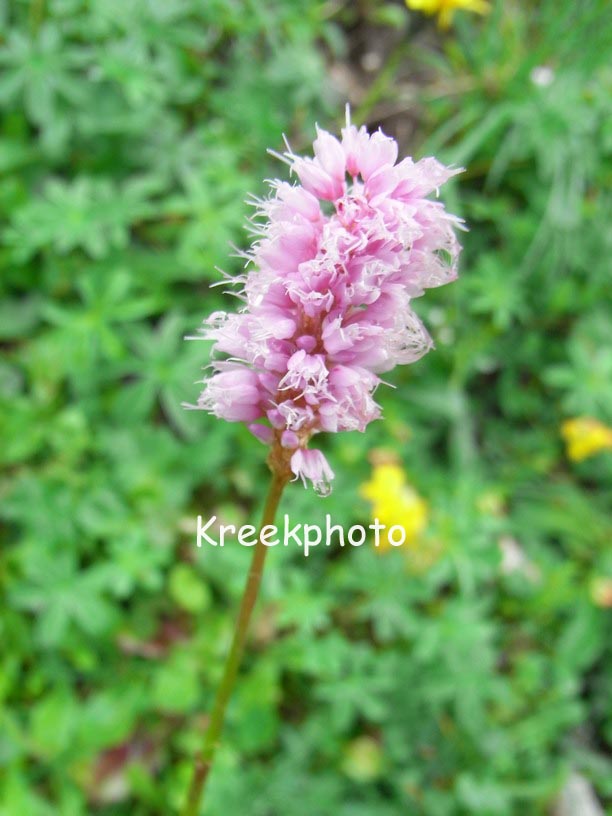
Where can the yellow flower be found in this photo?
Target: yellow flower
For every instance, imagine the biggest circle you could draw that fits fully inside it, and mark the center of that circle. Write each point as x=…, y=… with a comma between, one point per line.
x=395, y=502
x=585, y=437
x=446, y=8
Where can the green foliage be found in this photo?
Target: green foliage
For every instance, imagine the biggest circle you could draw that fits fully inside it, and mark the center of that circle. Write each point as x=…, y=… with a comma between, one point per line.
x=466, y=676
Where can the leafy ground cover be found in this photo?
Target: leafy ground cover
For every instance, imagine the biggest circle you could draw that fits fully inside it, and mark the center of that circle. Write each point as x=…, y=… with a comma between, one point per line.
x=466, y=673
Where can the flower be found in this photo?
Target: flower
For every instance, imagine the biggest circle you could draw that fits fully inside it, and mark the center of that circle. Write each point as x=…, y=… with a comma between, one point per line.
x=585, y=437
x=311, y=464
x=327, y=292
x=445, y=9
x=395, y=502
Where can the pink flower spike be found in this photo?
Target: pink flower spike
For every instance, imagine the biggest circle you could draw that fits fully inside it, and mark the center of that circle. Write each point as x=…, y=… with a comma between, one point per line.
x=327, y=295
x=311, y=464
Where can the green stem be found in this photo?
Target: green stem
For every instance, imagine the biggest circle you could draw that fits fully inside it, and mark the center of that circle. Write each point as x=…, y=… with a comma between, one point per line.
x=204, y=760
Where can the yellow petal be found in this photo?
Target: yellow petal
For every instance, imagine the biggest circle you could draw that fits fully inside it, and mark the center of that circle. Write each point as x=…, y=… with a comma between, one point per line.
x=426, y=6
x=585, y=436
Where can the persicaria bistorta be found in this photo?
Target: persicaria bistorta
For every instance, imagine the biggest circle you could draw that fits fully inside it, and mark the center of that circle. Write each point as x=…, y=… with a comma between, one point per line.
x=327, y=293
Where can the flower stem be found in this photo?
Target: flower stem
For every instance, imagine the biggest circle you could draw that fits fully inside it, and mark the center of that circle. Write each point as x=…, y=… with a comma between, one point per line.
x=204, y=760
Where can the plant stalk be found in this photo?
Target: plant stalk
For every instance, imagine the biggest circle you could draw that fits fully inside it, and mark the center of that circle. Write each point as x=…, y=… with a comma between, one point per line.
x=205, y=758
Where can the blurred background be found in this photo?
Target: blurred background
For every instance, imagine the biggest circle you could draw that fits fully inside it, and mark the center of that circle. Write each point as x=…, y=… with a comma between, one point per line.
x=468, y=672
